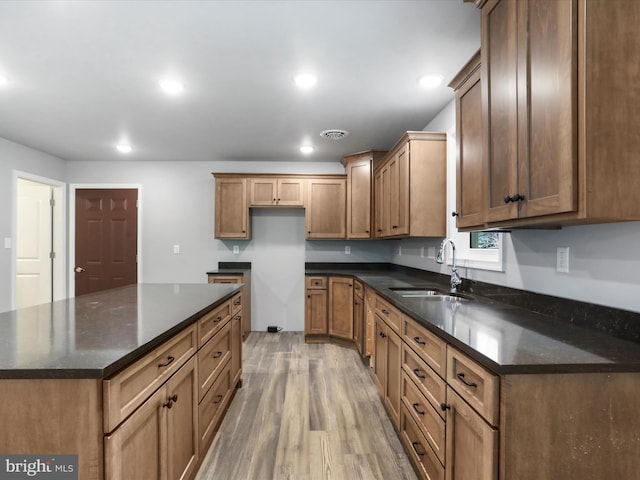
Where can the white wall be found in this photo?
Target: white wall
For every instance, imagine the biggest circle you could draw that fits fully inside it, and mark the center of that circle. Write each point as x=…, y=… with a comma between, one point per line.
x=604, y=259
x=15, y=157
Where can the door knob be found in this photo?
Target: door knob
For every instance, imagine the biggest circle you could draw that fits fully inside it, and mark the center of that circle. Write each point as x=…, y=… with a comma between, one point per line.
x=79, y=269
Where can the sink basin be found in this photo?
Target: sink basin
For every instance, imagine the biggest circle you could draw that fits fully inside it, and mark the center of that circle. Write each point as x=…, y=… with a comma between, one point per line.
x=428, y=294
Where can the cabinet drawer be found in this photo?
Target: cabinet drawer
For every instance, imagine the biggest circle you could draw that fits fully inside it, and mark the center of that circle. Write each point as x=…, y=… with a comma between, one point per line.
x=225, y=278
x=358, y=289
x=213, y=321
x=475, y=384
x=425, y=416
x=212, y=358
x=425, y=459
x=428, y=382
x=319, y=283
x=212, y=407
x=430, y=348
x=388, y=313
x=127, y=390
x=236, y=303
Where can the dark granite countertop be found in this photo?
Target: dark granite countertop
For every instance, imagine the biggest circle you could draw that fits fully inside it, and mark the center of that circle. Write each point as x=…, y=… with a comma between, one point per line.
x=231, y=268
x=506, y=339
x=95, y=335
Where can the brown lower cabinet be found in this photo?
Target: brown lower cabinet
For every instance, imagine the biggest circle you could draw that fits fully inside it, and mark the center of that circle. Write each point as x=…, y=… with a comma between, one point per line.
x=246, y=295
x=341, y=307
x=387, y=364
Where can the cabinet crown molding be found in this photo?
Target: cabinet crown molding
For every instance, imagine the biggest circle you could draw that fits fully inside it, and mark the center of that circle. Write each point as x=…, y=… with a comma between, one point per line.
x=279, y=175
x=465, y=72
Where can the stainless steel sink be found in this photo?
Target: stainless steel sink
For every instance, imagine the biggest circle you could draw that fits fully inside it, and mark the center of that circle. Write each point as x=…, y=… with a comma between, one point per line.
x=428, y=294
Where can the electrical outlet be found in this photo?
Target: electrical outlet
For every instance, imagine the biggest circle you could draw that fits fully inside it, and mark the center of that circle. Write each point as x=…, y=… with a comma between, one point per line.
x=431, y=253
x=176, y=249
x=7, y=242
x=421, y=252
x=347, y=250
x=562, y=260
x=236, y=249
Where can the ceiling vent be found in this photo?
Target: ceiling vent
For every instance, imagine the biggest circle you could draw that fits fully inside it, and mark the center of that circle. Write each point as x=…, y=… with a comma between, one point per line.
x=334, y=134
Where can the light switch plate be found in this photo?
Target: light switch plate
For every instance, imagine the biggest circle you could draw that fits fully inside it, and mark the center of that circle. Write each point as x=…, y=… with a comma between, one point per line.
x=236, y=249
x=347, y=250
x=176, y=249
x=7, y=242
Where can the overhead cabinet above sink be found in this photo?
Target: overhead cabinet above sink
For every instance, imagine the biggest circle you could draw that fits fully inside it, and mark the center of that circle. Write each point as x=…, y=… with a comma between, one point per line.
x=559, y=114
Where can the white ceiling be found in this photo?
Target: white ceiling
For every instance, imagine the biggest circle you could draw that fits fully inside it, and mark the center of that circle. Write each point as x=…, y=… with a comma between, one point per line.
x=83, y=75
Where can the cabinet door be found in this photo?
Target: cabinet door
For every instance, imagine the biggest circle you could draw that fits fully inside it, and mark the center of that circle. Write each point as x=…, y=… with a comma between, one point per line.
x=359, y=199
x=472, y=445
x=341, y=307
x=231, y=211
x=394, y=195
x=236, y=349
x=380, y=355
x=315, y=317
x=386, y=201
x=402, y=192
x=262, y=192
x=500, y=94
x=358, y=323
x=470, y=184
x=394, y=376
x=378, y=194
x=182, y=422
x=547, y=115
x=136, y=449
x=326, y=208
x=369, y=318
x=290, y=192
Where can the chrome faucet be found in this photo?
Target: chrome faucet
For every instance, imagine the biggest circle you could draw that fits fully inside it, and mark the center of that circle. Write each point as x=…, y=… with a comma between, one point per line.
x=455, y=278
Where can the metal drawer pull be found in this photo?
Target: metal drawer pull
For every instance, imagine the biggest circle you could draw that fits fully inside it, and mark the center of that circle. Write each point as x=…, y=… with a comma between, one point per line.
x=237, y=302
x=170, y=401
x=217, y=399
x=415, y=407
x=445, y=406
x=386, y=312
x=217, y=355
x=169, y=361
x=383, y=335
x=418, y=341
x=415, y=448
x=465, y=381
x=217, y=319
x=416, y=372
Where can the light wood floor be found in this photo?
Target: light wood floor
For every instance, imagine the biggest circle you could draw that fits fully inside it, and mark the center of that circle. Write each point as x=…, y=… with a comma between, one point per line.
x=305, y=411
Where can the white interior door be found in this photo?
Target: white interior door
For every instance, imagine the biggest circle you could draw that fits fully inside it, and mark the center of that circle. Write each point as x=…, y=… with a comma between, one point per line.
x=33, y=243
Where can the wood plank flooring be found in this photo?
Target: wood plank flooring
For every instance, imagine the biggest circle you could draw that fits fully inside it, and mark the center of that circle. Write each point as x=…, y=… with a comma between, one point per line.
x=305, y=411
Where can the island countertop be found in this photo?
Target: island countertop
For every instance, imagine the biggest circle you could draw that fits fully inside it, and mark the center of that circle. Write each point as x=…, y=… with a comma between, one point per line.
x=95, y=335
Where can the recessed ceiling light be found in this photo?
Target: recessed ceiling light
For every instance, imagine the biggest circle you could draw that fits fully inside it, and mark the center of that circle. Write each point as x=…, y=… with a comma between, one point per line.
x=172, y=87
x=3, y=80
x=306, y=149
x=305, y=80
x=124, y=148
x=430, y=81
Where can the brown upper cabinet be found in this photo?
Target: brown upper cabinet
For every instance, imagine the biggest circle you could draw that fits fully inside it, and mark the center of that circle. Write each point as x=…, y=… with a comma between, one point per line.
x=326, y=207
x=410, y=187
x=470, y=189
x=272, y=192
x=359, y=167
x=231, y=211
x=559, y=113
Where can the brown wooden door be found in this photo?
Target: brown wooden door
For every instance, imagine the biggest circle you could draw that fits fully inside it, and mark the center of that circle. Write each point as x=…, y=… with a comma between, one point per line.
x=106, y=239
x=236, y=348
x=359, y=199
x=231, y=211
x=380, y=355
x=316, y=312
x=470, y=180
x=262, y=192
x=290, y=192
x=403, y=190
x=358, y=323
x=182, y=422
x=547, y=115
x=472, y=445
x=394, y=375
x=341, y=307
x=500, y=122
x=378, y=193
x=326, y=208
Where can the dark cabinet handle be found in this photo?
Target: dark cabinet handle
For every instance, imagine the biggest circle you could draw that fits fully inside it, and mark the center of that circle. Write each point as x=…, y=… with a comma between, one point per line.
x=170, y=401
x=244, y=231
x=507, y=199
x=274, y=199
x=515, y=198
x=386, y=312
x=445, y=406
x=454, y=214
x=237, y=317
x=366, y=231
x=415, y=407
x=217, y=319
x=217, y=355
x=308, y=296
x=356, y=303
x=379, y=230
x=465, y=381
x=418, y=341
x=217, y=399
x=383, y=335
x=395, y=226
x=415, y=448
x=169, y=361
x=238, y=302
x=416, y=372
x=278, y=199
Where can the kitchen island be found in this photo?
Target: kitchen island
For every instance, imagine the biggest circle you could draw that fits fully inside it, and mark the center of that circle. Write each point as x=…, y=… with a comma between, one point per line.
x=117, y=377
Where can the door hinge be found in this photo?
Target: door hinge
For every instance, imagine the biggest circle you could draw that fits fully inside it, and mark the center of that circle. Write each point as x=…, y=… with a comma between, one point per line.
x=52, y=255
x=52, y=202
